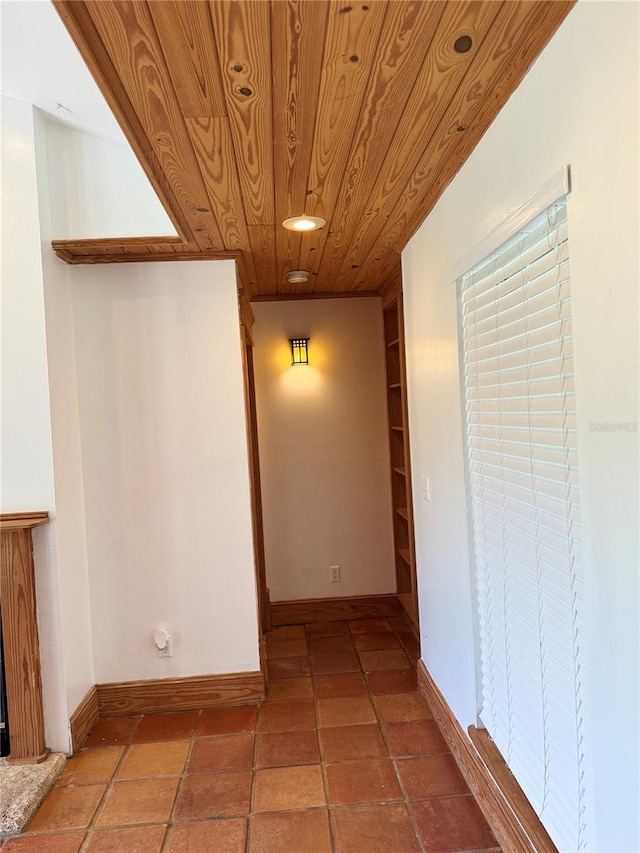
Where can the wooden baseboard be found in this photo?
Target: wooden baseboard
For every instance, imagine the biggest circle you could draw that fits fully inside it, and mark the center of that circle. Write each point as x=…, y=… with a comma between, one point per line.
x=507, y=810
x=122, y=698
x=83, y=719
x=334, y=609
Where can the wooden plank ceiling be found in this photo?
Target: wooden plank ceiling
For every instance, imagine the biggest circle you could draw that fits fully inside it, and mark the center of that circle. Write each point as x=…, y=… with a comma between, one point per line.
x=246, y=113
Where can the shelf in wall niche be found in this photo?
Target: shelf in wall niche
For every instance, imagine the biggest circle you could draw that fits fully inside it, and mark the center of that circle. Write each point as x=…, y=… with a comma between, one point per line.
x=399, y=447
x=405, y=554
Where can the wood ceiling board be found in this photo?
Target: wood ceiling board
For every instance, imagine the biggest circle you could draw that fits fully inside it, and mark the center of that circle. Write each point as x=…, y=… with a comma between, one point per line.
x=77, y=20
x=312, y=245
x=186, y=27
x=505, y=84
x=392, y=285
x=374, y=136
x=130, y=36
x=298, y=34
x=442, y=76
x=500, y=65
x=290, y=247
x=349, y=58
x=287, y=253
x=242, y=33
x=263, y=249
x=406, y=35
x=211, y=141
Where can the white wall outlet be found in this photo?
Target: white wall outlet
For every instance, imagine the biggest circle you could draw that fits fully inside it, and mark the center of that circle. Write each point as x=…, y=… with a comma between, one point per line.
x=334, y=574
x=167, y=652
x=163, y=644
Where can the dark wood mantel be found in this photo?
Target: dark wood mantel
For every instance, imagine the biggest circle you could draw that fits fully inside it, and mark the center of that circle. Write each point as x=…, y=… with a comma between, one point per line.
x=20, y=636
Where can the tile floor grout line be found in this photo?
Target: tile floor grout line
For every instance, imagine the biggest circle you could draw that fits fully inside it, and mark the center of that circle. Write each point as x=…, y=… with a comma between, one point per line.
x=405, y=799
x=170, y=823
x=92, y=826
x=92, y=823
x=323, y=767
x=252, y=790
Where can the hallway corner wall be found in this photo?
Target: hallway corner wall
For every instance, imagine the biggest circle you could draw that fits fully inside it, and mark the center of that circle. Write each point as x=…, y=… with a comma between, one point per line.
x=324, y=448
x=579, y=105
x=165, y=465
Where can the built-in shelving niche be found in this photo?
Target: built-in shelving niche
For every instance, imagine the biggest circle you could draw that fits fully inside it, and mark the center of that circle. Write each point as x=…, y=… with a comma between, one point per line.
x=404, y=547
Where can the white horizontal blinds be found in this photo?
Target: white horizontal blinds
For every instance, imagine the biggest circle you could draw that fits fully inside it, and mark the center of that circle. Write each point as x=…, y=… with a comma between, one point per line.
x=522, y=474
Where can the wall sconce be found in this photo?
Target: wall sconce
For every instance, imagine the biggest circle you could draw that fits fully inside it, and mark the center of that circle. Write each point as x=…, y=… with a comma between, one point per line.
x=299, y=350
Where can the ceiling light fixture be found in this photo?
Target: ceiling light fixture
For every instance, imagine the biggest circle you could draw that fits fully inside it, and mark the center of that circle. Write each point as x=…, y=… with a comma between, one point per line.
x=297, y=276
x=304, y=223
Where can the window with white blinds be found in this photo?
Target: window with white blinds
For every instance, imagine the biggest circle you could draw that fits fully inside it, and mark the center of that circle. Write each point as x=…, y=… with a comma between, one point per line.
x=522, y=474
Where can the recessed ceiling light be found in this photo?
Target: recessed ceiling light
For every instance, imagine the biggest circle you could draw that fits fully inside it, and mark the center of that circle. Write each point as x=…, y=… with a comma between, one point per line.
x=304, y=223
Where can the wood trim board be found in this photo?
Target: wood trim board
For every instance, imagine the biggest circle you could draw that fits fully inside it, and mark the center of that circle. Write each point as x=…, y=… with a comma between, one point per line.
x=334, y=609
x=23, y=680
x=509, y=814
x=84, y=719
x=22, y=520
x=120, y=699
x=512, y=792
x=128, y=250
x=329, y=294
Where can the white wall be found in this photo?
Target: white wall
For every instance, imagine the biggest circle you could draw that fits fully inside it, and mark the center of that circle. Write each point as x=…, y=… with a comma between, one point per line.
x=165, y=464
x=100, y=189
x=70, y=529
x=191, y=568
x=324, y=448
x=578, y=105
x=26, y=474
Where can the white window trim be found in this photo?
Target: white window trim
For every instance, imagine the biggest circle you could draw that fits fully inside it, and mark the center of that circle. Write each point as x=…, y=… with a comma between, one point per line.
x=555, y=187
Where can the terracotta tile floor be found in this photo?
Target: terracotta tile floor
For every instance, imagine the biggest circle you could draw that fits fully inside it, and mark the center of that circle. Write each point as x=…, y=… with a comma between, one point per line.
x=342, y=757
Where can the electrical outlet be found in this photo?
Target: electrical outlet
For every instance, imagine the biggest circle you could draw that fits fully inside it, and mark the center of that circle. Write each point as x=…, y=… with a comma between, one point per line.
x=334, y=574
x=163, y=643
x=167, y=651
